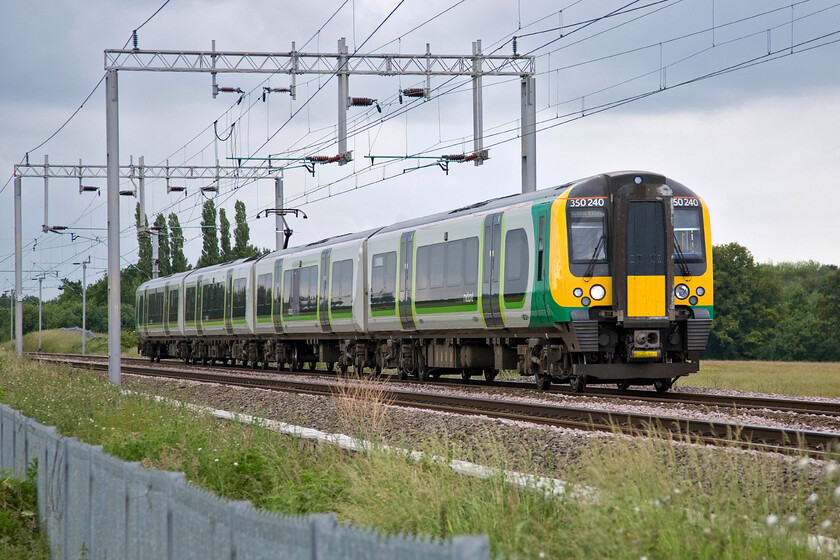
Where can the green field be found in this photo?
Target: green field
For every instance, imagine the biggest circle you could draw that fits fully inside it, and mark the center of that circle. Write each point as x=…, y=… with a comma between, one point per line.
x=655, y=498
x=807, y=379
x=70, y=342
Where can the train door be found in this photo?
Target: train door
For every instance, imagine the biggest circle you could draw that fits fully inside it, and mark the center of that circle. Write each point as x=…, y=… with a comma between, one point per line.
x=324, y=289
x=538, y=305
x=646, y=293
x=277, y=297
x=199, y=306
x=166, y=309
x=491, y=264
x=406, y=276
x=228, y=314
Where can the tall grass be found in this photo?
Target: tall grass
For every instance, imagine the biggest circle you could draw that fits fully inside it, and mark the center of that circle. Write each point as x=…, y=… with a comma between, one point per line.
x=655, y=498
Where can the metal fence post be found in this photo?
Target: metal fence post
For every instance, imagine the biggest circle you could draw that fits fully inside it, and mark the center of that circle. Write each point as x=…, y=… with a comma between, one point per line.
x=323, y=525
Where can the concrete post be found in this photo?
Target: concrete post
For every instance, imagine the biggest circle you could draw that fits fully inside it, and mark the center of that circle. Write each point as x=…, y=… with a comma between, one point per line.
x=529, y=134
x=113, y=163
x=18, y=271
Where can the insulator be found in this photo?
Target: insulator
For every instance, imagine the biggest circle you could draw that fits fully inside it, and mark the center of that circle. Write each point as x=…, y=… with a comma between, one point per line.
x=134, y=39
x=319, y=159
x=514, y=45
x=361, y=101
x=455, y=157
x=414, y=92
x=211, y=188
x=89, y=188
x=127, y=193
x=177, y=189
x=231, y=90
x=280, y=90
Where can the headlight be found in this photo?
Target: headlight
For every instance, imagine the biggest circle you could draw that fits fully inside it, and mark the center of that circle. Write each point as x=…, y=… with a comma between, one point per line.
x=701, y=291
x=577, y=292
x=585, y=302
x=693, y=300
x=681, y=291
x=597, y=292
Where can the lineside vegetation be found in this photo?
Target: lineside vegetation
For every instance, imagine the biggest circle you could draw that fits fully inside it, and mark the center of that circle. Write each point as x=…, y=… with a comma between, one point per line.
x=654, y=498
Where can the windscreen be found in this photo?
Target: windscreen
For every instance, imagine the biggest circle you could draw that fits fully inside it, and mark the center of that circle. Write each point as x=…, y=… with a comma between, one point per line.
x=587, y=231
x=688, y=233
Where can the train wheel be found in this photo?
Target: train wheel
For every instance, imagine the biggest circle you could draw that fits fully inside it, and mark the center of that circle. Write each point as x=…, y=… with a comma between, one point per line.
x=254, y=364
x=265, y=364
x=490, y=375
x=402, y=373
x=466, y=374
x=543, y=381
x=422, y=370
x=662, y=385
x=578, y=383
x=330, y=366
x=342, y=366
x=204, y=361
x=623, y=385
x=312, y=366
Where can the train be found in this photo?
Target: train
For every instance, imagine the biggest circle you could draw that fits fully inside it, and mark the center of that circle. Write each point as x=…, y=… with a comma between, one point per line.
x=607, y=279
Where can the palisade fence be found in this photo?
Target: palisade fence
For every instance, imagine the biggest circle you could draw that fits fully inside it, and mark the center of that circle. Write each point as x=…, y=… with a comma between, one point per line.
x=96, y=507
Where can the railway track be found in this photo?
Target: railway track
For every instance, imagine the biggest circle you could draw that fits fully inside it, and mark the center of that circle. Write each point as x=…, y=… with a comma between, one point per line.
x=735, y=402
x=765, y=438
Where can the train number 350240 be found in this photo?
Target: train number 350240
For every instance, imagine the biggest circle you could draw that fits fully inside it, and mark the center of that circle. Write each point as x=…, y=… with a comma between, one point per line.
x=586, y=202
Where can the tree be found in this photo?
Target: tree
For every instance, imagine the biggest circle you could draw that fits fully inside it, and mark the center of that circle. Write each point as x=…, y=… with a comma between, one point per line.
x=747, y=304
x=144, y=243
x=828, y=305
x=224, y=232
x=176, y=245
x=210, y=246
x=163, y=248
x=242, y=233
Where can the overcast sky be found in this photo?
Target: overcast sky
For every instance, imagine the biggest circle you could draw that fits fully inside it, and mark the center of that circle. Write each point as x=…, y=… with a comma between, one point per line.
x=760, y=144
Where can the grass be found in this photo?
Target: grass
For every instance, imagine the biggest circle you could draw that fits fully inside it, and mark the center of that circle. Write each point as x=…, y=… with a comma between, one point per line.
x=19, y=535
x=69, y=342
x=806, y=379
x=656, y=499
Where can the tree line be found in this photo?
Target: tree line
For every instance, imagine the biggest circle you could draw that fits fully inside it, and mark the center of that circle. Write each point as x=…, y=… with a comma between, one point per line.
x=785, y=311
x=66, y=309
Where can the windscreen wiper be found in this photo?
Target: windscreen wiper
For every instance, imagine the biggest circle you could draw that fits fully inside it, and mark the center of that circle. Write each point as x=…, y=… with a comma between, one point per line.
x=594, y=259
x=680, y=257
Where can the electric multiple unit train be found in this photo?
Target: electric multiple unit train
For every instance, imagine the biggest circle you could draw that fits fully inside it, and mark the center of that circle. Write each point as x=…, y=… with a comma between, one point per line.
x=606, y=279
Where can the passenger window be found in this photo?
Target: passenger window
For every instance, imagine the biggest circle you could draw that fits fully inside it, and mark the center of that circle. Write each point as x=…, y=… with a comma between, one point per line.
x=471, y=262
x=516, y=265
x=342, y=286
x=422, y=272
x=447, y=273
x=238, y=298
x=264, y=295
x=173, y=306
x=454, y=263
x=189, y=305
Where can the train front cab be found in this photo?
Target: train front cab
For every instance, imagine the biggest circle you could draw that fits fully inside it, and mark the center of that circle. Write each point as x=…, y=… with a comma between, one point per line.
x=631, y=281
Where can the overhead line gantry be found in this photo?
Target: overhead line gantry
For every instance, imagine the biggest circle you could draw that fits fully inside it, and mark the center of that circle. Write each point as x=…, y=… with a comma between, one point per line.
x=342, y=64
